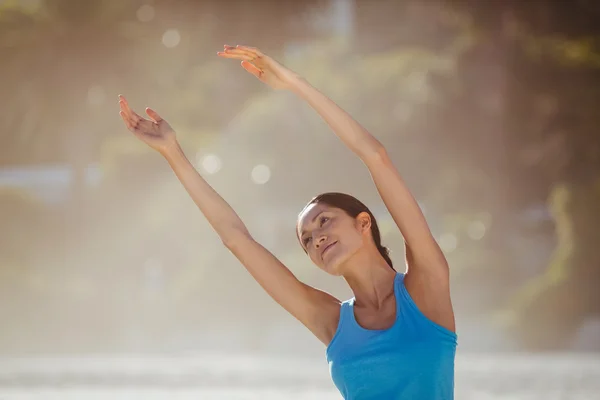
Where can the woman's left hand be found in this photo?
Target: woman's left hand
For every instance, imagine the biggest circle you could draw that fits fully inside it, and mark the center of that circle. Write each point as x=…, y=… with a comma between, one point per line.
x=266, y=69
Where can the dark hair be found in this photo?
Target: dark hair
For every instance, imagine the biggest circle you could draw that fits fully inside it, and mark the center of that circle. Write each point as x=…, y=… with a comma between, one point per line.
x=352, y=206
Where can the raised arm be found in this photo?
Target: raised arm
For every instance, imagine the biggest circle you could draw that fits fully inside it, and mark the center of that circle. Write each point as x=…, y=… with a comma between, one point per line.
x=310, y=306
x=427, y=278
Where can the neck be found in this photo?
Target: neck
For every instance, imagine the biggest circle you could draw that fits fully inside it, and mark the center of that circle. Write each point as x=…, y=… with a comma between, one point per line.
x=370, y=278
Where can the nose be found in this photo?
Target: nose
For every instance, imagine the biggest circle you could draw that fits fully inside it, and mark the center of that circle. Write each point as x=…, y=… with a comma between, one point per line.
x=320, y=240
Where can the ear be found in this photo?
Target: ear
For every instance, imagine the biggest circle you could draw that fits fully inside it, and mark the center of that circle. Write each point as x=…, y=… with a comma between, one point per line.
x=363, y=222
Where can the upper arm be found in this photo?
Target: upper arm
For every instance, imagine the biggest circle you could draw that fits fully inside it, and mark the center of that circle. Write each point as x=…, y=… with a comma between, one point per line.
x=317, y=310
x=427, y=278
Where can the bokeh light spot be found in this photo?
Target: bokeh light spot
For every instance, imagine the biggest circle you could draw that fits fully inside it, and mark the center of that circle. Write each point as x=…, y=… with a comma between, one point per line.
x=171, y=38
x=476, y=230
x=261, y=174
x=211, y=163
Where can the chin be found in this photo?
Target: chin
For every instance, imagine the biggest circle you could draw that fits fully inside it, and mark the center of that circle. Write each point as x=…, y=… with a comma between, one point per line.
x=334, y=265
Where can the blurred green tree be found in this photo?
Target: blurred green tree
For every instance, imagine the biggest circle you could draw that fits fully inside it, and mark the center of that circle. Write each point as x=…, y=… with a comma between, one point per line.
x=550, y=52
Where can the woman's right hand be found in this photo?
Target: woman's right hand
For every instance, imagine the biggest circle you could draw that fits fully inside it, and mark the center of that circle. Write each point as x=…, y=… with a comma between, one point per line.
x=266, y=69
x=155, y=132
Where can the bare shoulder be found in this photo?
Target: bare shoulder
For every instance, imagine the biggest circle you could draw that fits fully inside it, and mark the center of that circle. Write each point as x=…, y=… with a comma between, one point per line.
x=325, y=315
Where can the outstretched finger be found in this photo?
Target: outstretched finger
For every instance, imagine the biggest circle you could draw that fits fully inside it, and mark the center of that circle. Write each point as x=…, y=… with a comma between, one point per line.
x=236, y=55
x=124, y=104
x=132, y=115
x=253, y=69
x=249, y=51
x=252, y=50
x=153, y=115
x=130, y=125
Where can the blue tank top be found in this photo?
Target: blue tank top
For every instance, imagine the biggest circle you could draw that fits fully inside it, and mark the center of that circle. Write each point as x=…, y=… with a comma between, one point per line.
x=413, y=359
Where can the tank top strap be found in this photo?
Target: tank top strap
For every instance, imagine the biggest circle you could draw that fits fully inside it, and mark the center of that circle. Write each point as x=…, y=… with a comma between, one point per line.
x=404, y=303
x=399, y=289
x=346, y=311
x=408, y=311
x=346, y=315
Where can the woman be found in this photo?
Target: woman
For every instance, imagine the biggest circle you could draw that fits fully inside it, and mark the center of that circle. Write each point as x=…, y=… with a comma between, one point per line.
x=395, y=338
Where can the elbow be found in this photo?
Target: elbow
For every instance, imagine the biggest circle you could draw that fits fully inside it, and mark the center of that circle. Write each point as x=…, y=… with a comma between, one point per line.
x=374, y=153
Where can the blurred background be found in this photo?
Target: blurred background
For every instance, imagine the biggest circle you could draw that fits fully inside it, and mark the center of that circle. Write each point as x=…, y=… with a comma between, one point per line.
x=112, y=284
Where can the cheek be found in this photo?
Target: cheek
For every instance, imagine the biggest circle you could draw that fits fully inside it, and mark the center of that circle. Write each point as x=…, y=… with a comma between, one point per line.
x=352, y=240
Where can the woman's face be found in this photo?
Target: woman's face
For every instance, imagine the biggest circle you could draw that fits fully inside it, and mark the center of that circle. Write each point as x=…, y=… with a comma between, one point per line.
x=330, y=236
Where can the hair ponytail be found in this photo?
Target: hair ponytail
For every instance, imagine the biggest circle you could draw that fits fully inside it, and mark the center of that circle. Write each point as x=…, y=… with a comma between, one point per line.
x=385, y=253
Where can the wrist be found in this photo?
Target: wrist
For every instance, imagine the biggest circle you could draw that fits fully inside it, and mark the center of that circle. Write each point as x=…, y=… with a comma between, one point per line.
x=170, y=149
x=296, y=83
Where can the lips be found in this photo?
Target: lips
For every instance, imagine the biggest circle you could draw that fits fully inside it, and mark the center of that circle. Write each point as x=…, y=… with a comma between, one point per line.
x=329, y=246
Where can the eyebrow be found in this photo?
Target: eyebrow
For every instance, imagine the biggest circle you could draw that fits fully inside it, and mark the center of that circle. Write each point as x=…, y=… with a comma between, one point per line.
x=312, y=220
